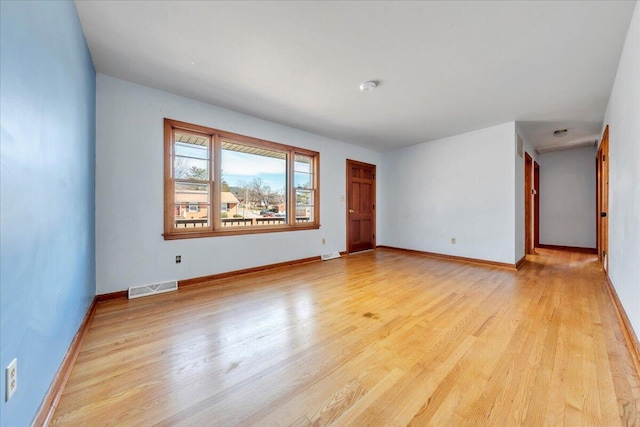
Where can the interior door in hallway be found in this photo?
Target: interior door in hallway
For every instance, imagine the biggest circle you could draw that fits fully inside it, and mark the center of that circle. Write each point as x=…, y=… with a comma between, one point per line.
x=536, y=204
x=602, y=174
x=528, y=203
x=361, y=206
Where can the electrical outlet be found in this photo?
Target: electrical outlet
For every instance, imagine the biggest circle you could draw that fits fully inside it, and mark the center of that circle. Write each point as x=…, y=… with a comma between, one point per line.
x=323, y=241
x=12, y=378
x=453, y=240
x=178, y=259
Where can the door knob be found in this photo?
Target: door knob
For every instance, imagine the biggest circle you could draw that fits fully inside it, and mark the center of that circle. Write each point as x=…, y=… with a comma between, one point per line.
x=351, y=211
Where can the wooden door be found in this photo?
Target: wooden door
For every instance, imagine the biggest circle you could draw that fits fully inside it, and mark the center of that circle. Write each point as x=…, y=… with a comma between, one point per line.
x=603, y=200
x=528, y=187
x=361, y=206
x=598, y=175
x=536, y=204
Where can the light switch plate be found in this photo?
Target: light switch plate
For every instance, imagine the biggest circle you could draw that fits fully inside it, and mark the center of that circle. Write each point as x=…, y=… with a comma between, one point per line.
x=11, y=378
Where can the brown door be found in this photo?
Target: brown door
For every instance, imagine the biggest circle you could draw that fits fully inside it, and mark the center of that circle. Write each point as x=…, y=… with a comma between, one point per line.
x=536, y=204
x=528, y=198
x=603, y=200
x=598, y=174
x=361, y=206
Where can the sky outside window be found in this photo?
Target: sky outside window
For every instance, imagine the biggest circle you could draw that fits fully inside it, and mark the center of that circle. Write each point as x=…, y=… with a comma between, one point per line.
x=239, y=168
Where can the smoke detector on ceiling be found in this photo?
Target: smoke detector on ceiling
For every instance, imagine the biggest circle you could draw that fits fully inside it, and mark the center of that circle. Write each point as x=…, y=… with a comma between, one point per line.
x=368, y=86
x=559, y=133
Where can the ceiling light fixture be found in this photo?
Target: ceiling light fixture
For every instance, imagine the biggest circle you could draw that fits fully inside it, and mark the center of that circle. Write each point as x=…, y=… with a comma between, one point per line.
x=559, y=133
x=368, y=86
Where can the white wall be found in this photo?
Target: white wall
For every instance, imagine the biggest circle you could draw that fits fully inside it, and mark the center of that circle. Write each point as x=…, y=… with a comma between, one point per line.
x=130, y=248
x=568, y=197
x=461, y=186
x=623, y=117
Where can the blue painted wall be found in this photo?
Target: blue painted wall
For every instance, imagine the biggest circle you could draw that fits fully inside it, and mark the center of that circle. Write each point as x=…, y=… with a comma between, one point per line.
x=47, y=205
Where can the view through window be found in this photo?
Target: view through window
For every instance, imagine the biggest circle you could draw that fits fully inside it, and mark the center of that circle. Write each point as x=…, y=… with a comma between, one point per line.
x=223, y=183
x=254, y=181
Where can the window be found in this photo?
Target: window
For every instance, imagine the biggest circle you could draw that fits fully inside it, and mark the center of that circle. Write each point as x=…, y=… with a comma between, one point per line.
x=304, y=188
x=220, y=183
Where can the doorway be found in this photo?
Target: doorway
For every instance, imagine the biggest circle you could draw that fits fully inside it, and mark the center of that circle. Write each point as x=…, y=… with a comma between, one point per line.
x=361, y=206
x=528, y=200
x=536, y=205
x=602, y=200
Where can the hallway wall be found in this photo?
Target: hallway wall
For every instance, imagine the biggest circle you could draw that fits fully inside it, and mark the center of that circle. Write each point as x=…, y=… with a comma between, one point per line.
x=568, y=197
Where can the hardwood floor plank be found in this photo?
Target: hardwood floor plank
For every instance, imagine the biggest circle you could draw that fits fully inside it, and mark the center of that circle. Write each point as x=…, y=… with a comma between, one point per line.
x=377, y=338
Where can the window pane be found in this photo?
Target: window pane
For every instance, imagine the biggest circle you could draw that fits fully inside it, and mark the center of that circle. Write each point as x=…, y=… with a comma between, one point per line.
x=305, y=214
x=303, y=180
x=187, y=168
x=253, y=189
x=305, y=205
x=304, y=198
x=303, y=171
x=191, y=145
x=191, y=205
x=190, y=150
x=303, y=163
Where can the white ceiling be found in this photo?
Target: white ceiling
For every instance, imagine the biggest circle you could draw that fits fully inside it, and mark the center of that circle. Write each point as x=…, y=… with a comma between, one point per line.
x=443, y=68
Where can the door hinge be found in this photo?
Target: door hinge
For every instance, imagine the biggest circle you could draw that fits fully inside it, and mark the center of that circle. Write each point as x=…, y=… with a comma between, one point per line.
x=373, y=176
x=374, y=237
x=604, y=158
x=374, y=206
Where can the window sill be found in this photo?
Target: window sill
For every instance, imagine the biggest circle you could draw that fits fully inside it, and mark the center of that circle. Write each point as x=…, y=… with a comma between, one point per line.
x=252, y=230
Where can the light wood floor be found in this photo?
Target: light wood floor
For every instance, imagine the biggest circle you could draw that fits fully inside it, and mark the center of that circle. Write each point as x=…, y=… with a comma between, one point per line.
x=377, y=338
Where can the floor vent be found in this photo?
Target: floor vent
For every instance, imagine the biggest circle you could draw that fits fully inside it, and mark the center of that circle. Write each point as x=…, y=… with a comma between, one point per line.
x=156, y=288
x=330, y=255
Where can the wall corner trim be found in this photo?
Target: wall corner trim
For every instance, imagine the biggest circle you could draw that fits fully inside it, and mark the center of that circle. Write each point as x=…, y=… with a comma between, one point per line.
x=54, y=393
x=630, y=337
x=521, y=262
